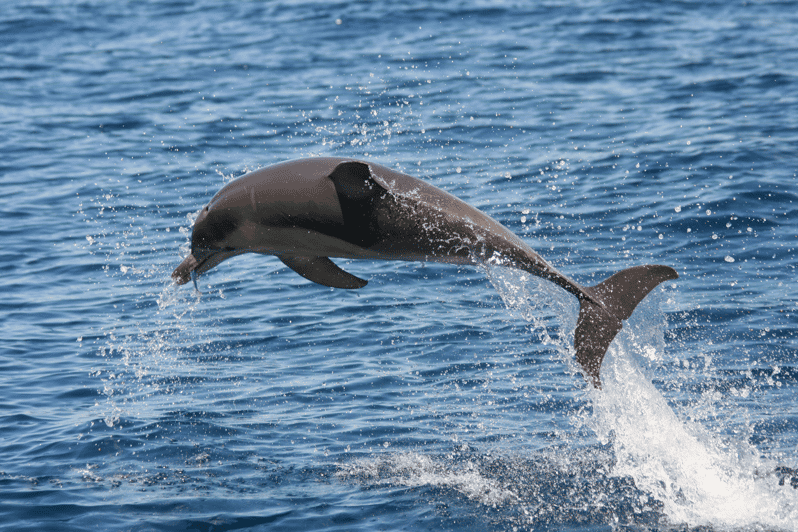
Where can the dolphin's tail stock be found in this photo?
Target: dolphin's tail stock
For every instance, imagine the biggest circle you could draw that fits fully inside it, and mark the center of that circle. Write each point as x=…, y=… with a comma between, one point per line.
x=609, y=303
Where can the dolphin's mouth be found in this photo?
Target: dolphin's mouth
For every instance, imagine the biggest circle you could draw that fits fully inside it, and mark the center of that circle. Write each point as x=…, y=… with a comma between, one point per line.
x=186, y=270
x=192, y=267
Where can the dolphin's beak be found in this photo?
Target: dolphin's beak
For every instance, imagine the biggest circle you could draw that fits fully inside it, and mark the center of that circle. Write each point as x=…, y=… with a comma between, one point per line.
x=182, y=273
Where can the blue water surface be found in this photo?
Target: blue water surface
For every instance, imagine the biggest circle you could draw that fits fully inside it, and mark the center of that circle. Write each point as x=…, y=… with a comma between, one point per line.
x=606, y=134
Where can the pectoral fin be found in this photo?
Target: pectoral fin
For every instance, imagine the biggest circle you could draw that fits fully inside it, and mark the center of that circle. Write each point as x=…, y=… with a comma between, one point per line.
x=323, y=271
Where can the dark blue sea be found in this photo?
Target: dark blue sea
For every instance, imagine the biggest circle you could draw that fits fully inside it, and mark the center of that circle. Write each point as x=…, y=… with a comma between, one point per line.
x=606, y=134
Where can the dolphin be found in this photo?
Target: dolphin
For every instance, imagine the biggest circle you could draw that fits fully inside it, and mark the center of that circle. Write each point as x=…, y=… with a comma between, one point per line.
x=308, y=210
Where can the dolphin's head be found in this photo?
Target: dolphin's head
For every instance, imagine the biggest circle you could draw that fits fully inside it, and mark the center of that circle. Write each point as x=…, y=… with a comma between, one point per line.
x=209, y=245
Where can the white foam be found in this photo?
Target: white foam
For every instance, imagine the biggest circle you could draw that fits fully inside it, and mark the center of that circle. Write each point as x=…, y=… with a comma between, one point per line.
x=412, y=470
x=700, y=478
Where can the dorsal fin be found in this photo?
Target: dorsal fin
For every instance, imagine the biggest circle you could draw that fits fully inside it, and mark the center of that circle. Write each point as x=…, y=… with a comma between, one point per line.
x=353, y=181
x=358, y=194
x=323, y=271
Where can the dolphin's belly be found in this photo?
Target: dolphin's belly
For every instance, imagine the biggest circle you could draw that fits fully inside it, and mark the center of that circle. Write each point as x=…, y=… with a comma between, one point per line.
x=298, y=241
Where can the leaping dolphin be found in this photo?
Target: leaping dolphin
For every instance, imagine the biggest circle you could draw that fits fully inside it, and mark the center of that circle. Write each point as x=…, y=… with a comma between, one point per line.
x=309, y=210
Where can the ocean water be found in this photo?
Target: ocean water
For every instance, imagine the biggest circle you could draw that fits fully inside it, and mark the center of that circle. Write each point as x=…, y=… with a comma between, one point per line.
x=606, y=134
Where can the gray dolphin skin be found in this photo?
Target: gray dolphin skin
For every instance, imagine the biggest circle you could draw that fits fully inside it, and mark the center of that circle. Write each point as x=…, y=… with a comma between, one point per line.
x=309, y=210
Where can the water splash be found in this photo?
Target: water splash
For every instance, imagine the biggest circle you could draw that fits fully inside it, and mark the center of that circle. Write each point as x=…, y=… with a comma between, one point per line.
x=412, y=469
x=151, y=338
x=699, y=478
x=536, y=301
x=146, y=358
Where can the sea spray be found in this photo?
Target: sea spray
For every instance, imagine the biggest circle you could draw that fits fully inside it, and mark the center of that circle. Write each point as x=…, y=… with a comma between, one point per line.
x=536, y=301
x=699, y=478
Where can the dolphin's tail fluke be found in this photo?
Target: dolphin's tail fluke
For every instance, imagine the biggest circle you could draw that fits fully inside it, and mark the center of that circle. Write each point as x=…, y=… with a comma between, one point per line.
x=607, y=304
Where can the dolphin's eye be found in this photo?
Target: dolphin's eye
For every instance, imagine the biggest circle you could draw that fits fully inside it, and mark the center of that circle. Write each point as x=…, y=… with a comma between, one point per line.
x=214, y=228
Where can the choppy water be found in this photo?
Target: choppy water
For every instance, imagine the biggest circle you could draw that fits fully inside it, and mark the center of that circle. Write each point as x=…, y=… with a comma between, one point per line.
x=606, y=134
